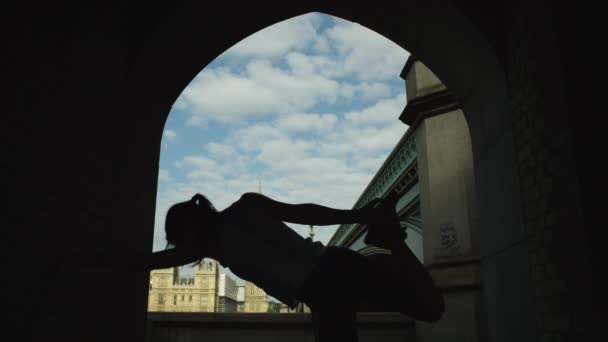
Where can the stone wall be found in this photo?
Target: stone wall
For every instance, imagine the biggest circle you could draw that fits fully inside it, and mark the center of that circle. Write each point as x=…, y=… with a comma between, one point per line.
x=549, y=184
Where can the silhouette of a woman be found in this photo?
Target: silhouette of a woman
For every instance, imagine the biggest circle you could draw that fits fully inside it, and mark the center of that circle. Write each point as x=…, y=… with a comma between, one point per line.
x=251, y=239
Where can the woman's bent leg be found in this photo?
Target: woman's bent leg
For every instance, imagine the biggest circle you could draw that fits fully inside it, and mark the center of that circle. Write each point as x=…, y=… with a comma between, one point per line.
x=415, y=291
x=406, y=287
x=332, y=295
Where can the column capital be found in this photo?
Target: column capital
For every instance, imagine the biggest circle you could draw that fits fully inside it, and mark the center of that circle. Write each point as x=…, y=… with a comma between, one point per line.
x=424, y=107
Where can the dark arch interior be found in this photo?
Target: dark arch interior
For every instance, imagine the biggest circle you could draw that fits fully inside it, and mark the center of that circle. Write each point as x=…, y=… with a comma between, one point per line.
x=91, y=88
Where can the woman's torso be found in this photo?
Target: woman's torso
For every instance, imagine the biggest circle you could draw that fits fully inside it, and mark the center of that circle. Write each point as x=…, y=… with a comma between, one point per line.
x=266, y=252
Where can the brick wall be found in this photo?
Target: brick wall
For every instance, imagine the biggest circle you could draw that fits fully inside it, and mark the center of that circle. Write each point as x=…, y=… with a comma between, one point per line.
x=549, y=187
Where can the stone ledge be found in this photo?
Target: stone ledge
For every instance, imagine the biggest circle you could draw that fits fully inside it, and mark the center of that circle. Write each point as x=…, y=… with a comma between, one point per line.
x=293, y=327
x=426, y=106
x=193, y=318
x=463, y=273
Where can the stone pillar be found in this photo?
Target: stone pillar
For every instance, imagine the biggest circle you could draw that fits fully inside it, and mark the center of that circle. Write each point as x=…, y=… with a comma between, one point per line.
x=447, y=204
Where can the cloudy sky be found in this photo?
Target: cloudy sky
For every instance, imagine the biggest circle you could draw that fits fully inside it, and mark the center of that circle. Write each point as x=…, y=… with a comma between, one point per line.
x=308, y=106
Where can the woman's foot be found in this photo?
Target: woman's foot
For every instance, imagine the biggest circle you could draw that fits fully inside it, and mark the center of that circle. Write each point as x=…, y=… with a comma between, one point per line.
x=386, y=232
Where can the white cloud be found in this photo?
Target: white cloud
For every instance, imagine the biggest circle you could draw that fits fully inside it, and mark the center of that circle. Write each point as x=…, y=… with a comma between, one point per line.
x=293, y=66
x=347, y=90
x=367, y=163
x=332, y=184
x=163, y=175
x=372, y=140
x=365, y=53
x=300, y=64
x=321, y=45
x=383, y=112
x=200, y=168
x=303, y=122
x=221, y=95
x=196, y=161
x=264, y=90
x=169, y=135
x=373, y=90
x=296, y=172
x=220, y=151
x=297, y=33
x=250, y=139
x=331, y=67
x=311, y=169
x=367, y=91
x=281, y=133
x=284, y=150
x=346, y=49
x=337, y=146
x=300, y=88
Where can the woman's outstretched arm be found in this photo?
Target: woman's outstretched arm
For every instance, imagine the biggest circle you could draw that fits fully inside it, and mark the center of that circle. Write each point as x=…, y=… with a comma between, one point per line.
x=139, y=262
x=309, y=213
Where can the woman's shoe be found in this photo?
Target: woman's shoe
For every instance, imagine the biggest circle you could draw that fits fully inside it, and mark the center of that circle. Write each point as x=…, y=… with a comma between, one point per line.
x=387, y=232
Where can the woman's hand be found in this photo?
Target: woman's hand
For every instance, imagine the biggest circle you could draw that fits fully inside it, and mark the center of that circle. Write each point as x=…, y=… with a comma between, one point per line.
x=370, y=212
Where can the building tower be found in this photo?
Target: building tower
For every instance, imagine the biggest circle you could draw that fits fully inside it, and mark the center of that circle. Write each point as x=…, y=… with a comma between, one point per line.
x=206, y=280
x=161, y=289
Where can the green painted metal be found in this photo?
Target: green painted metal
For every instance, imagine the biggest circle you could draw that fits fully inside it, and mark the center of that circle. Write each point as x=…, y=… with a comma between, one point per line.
x=398, y=161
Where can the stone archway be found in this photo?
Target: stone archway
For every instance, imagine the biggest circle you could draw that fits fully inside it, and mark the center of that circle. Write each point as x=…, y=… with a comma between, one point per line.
x=434, y=31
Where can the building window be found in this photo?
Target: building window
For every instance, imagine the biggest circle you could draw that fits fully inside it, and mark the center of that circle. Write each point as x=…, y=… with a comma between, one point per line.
x=190, y=299
x=182, y=298
x=161, y=299
x=174, y=299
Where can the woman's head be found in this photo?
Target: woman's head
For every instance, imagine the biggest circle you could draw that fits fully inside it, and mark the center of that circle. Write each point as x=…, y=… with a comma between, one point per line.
x=188, y=223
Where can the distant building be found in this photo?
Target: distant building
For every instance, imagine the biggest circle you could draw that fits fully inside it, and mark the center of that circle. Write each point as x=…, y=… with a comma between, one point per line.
x=274, y=307
x=286, y=309
x=169, y=292
x=227, y=294
x=240, y=299
x=302, y=308
x=256, y=300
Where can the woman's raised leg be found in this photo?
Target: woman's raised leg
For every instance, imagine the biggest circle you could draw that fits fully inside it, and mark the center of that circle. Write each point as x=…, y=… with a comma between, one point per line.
x=399, y=283
x=413, y=291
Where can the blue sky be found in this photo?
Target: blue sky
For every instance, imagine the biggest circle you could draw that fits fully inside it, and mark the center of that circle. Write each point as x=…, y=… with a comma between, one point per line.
x=309, y=106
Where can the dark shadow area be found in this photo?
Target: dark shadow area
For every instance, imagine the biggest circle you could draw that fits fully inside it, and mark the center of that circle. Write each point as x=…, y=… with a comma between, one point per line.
x=90, y=86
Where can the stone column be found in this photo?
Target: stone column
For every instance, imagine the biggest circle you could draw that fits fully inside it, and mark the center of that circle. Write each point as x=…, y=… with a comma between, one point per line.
x=447, y=204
